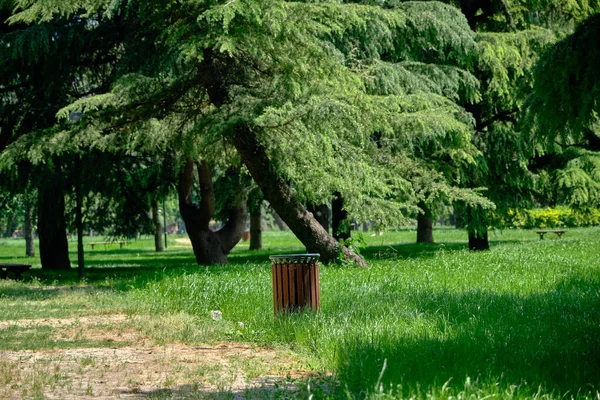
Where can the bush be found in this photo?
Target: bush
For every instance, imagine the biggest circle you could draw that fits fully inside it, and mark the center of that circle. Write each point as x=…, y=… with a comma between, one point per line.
x=559, y=217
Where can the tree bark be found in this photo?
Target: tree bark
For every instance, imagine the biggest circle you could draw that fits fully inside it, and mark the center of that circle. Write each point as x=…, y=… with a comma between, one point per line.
x=11, y=224
x=255, y=205
x=279, y=194
x=209, y=247
x=339, y=225
x=424, y=225
x=256, y=230
x=28, y=226
x=157, y=227
x=52, y=227
x=79, y=223
x=478, y=241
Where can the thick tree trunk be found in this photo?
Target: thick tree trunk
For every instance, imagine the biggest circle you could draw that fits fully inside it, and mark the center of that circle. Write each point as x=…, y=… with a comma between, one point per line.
x=424, y=225
x=52, y=228
x=157, y=227
x=209, y=247
x=339, y=224
x=28, y=226
x=280, y=224
x=279, y=194
x=321, y=214
x=478, y=241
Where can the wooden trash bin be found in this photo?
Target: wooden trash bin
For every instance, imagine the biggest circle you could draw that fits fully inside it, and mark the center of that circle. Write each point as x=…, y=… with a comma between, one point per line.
x=295, y=282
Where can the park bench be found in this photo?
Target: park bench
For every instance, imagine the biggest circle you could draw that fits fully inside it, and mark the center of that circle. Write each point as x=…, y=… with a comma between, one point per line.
x=16, y=269
x=542, y=232
x=120, y=243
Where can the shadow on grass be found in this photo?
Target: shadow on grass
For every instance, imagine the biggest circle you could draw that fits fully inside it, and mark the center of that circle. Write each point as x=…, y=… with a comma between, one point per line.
x=421, y=250
x=317, y=387
x=545, y=341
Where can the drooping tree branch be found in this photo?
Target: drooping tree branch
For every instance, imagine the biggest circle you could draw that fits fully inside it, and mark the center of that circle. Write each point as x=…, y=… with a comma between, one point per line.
x=505, y=115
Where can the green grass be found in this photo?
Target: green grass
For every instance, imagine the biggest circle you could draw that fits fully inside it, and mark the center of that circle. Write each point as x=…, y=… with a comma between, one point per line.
x=519, y=321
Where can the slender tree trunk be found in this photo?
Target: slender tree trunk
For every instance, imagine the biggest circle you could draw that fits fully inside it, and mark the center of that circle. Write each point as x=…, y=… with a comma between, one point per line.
x=209, y=247
x=340, y=225
x=280, y=224
x=52, y=227
x=256, y=230
x=424, y=225
x=255, y=206
x=28, y=225
x=79, y=225
x=279, y=194
x=157, y=227
x=478, y=241
x=11, y=224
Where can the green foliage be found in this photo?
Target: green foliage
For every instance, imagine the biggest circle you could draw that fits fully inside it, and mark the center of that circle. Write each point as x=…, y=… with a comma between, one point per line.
x=350, y=98
x=559, y=217
x=355, y=244
x=563, y=104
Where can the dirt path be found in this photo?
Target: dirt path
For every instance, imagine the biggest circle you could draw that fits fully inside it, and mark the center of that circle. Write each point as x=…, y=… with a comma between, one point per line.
x=143, y=370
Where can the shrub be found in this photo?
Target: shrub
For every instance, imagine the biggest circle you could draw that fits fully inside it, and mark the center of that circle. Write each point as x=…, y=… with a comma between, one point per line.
x=559, y=217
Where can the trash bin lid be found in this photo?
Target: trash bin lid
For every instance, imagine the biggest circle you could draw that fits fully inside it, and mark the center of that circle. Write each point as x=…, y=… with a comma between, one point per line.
x=295, y=258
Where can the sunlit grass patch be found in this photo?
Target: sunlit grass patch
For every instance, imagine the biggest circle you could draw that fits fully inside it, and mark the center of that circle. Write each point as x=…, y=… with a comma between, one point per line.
x=519, y=321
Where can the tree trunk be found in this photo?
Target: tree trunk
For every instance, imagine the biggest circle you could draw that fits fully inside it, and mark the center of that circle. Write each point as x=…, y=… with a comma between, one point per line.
x=279, y=194
x=79, y=224
x=424, y=225
x=282, y=226
x=340, y=225
x=478, y=241
x=52, y=228
x=255, y=230
x=255, y=205
x=11, y=224
x=28, y=226
x=209, y=247
x=157, y=227
x=321, y=214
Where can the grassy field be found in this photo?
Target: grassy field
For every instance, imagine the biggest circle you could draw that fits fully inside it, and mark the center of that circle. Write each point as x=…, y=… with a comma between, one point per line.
x=425, y=321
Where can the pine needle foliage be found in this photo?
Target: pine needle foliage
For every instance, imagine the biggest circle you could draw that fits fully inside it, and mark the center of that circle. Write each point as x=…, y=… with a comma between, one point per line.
x=564, y=102
x=358, y=99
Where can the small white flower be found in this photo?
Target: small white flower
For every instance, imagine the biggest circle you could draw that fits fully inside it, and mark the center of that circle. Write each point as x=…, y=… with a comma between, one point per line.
x=216, y=315
x=241, y=324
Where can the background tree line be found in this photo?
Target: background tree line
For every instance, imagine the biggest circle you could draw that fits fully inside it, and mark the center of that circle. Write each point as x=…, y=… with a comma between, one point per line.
x=380, y=110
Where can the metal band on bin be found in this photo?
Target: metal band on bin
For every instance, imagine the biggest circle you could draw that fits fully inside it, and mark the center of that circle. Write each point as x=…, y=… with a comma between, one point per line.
x=295, y=258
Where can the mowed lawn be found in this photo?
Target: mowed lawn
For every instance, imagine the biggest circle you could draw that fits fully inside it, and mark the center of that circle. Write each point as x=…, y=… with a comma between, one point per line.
x=424, y=321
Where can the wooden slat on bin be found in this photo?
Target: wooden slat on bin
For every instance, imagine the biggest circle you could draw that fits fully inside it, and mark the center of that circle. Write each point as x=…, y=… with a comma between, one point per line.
x=306, y=283
x=285, y=285
x=299, y=285
x=317, y=286
x=292, y=284
x=275, y=285
x=280, y=285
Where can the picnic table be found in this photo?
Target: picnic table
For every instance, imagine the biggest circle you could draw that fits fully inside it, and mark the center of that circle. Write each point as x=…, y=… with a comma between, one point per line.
x=16, y=269
x=557, y=232
x=120, y=243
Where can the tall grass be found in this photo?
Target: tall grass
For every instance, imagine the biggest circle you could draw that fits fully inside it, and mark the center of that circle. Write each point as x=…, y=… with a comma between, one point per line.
x=521, y=320
x=425, y=321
